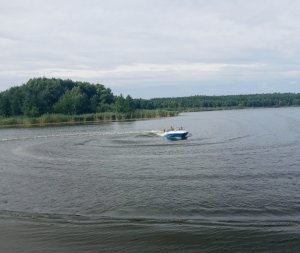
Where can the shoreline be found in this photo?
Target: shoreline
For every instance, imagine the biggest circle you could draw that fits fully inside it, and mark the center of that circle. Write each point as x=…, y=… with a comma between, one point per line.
x=27, y=122
x=69, y=120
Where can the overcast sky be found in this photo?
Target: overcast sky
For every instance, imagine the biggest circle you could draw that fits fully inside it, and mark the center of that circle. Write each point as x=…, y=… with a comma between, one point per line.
x=154, y=48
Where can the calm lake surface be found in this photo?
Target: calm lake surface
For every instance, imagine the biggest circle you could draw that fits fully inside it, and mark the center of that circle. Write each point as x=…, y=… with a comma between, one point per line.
x=234, y=186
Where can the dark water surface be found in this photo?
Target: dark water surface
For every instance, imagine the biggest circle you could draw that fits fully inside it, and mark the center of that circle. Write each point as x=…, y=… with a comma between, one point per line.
x=116, y=187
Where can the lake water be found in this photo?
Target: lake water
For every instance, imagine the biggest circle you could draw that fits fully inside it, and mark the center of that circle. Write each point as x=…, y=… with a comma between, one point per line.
x=116, y=187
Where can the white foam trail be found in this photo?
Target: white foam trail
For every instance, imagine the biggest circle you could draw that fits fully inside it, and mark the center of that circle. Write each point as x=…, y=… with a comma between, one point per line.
x=75, y=134
x=157, y=132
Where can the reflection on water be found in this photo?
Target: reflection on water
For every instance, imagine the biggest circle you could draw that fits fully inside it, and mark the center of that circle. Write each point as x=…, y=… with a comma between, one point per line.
x=232, y=186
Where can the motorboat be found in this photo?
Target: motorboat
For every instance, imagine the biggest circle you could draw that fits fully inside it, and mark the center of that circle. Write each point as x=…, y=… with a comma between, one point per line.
x=172, y=134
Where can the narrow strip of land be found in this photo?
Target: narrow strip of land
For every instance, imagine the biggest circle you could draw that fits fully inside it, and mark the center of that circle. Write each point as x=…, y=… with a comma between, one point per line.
x=49, y=101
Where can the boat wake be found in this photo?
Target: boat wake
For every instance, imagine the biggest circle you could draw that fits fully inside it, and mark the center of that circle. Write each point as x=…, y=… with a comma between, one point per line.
x=75, y=134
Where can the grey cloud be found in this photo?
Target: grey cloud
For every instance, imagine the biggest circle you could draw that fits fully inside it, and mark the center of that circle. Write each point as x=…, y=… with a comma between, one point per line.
x=114, y=42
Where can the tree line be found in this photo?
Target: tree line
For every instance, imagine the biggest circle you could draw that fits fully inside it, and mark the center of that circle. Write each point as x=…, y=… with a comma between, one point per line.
x=44, y=96
x=221, y=102
x=41, y=96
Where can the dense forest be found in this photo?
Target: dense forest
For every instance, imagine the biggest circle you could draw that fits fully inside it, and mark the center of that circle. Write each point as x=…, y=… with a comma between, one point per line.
x=41, y=96
x=222, y=102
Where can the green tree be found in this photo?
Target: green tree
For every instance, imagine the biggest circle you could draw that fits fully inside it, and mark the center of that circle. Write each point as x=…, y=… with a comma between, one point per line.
x=4, y=105
x=72, y=102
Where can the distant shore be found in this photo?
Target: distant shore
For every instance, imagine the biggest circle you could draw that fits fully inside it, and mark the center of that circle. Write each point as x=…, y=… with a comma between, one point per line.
x=61, y=119
x=52, y=101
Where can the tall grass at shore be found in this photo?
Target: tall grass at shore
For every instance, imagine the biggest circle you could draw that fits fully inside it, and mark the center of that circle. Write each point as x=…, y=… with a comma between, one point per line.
x=56, y=119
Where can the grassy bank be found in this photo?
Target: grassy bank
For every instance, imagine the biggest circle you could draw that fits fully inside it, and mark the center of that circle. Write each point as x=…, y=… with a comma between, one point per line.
x=57, y=119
